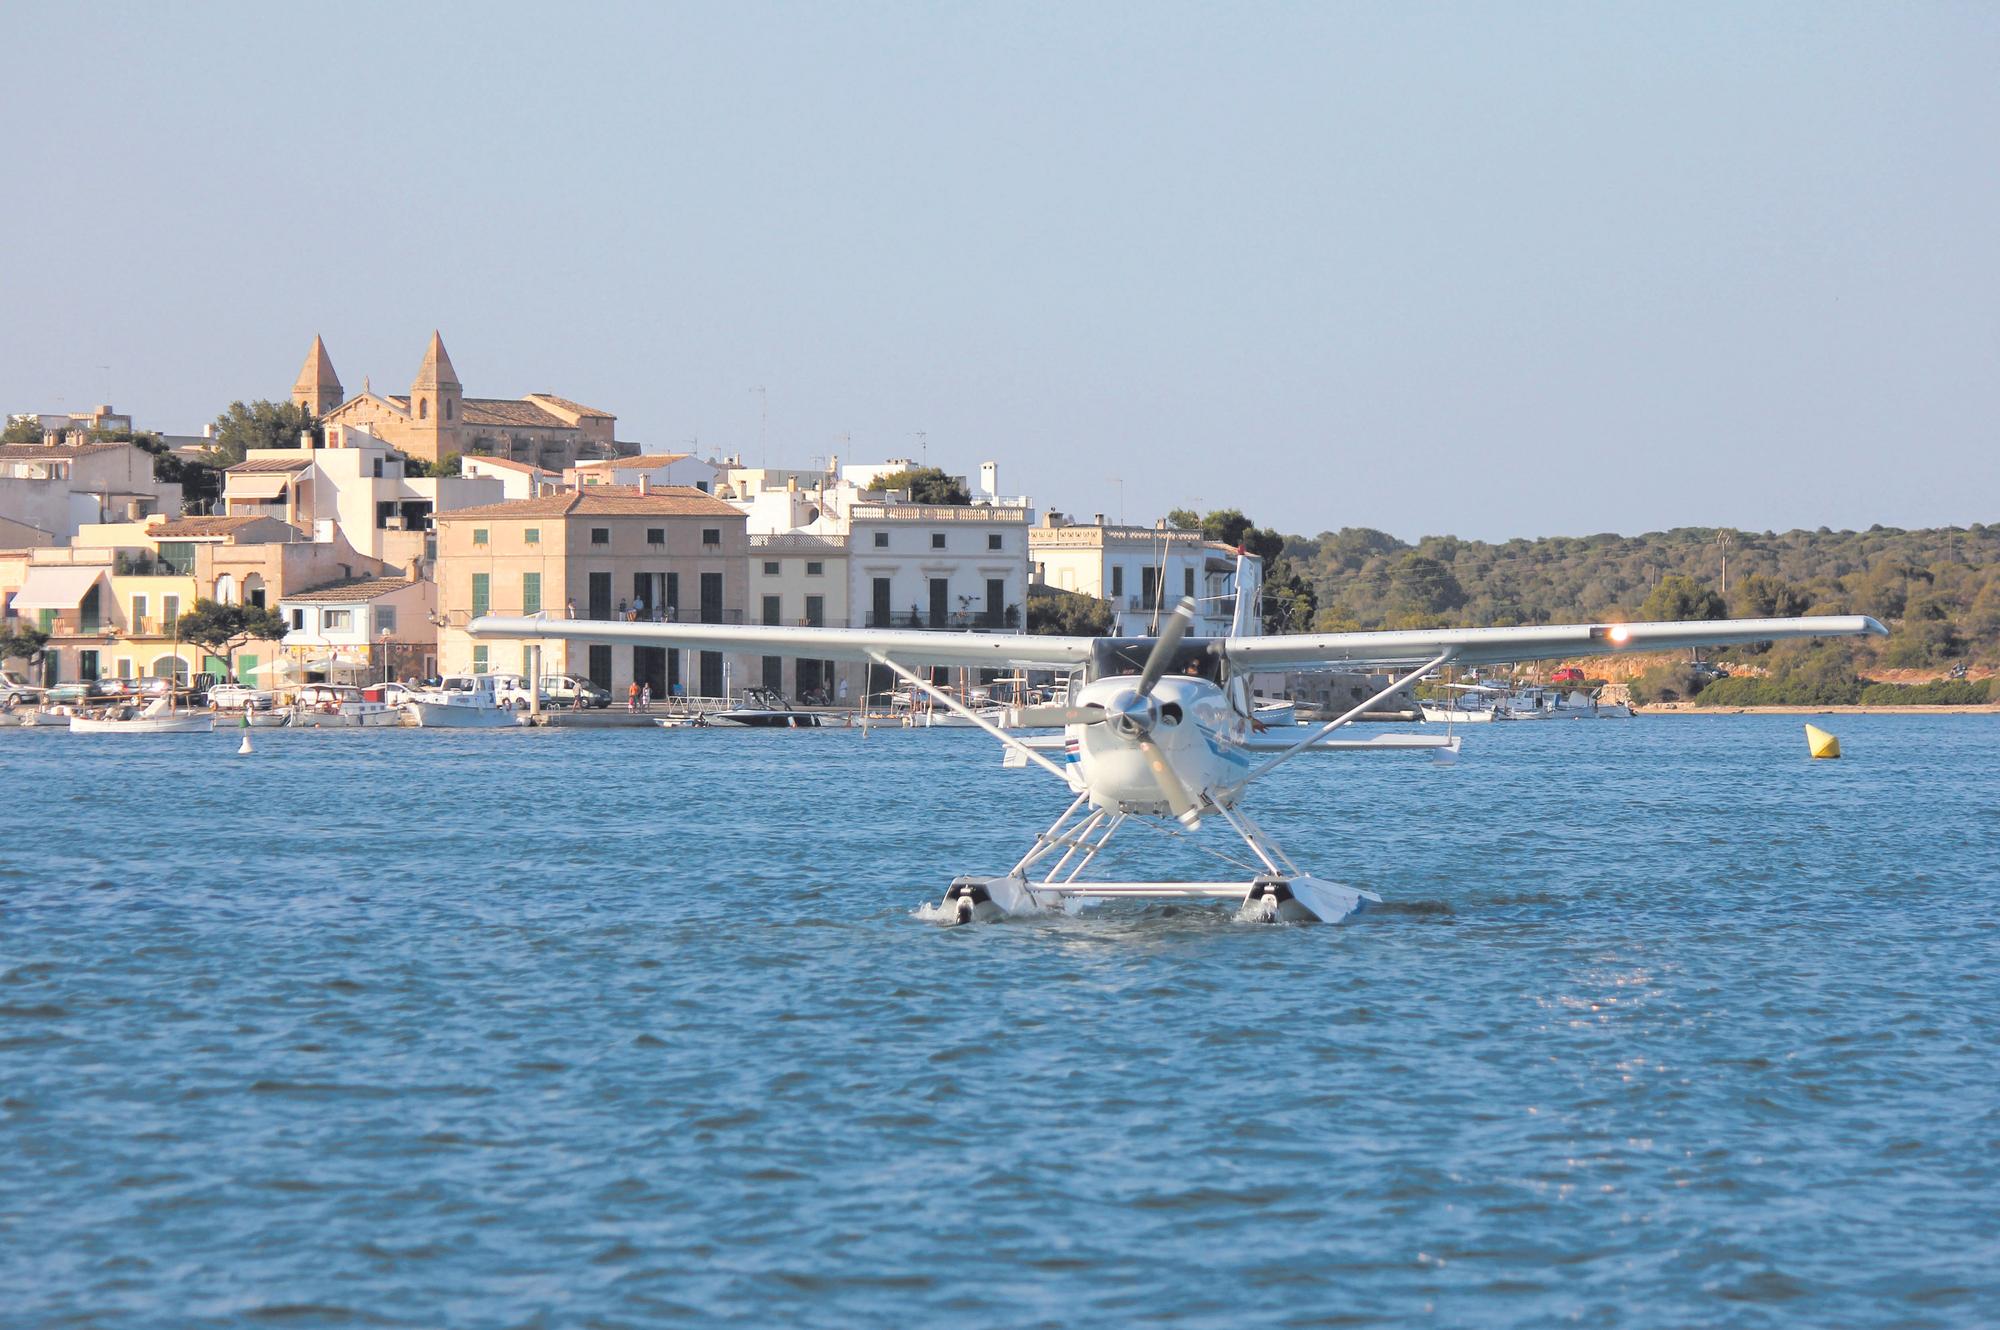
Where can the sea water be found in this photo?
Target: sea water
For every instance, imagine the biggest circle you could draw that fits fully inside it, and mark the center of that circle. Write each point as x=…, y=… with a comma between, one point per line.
x=1662, y=1024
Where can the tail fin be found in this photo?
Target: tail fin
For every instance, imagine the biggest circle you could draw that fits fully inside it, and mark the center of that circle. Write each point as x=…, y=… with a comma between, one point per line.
x=1249, y=621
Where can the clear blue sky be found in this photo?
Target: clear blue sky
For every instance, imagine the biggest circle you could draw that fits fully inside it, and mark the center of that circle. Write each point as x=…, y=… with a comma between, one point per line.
x=1494, y=270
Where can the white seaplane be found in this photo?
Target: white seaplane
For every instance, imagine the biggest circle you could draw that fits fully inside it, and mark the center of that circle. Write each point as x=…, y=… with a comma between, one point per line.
x=1161, y=729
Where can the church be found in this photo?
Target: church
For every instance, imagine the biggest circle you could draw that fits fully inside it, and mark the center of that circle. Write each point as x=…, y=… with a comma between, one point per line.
x=436, y=418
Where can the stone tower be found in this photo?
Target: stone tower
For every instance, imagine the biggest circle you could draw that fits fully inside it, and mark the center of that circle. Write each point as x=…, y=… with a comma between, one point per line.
x=437, y=400
x=318, y=388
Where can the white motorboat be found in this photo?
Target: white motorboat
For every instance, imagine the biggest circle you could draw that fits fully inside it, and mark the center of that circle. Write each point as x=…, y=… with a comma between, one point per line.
x=765, y=709
x=158, y=718
x=468, y=703
x=1472, y=704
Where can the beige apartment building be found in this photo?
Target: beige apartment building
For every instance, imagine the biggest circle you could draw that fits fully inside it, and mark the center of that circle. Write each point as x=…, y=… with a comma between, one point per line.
x=605, y=552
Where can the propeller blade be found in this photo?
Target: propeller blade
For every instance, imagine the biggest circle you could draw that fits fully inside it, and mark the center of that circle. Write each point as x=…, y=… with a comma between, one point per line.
x=1045, y=717
x=1187, y=808
x=1176, y=628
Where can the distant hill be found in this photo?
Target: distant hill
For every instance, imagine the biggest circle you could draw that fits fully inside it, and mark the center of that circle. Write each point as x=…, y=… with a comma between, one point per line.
x=1938, y=589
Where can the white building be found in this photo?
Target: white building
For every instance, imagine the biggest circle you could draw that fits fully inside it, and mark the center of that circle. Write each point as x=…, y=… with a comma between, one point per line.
x=1143, y=571
x=799, y=580
x=359, y=484
x=370, y=623
x=518, y=480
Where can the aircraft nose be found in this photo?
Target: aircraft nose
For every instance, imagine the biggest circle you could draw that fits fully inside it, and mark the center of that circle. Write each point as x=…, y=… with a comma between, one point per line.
x=1134, y=714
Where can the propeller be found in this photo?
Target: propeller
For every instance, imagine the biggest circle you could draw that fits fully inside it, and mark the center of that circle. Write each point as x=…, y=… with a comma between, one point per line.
x=1041, y=717
x=1187, y=808
x=1169, y=642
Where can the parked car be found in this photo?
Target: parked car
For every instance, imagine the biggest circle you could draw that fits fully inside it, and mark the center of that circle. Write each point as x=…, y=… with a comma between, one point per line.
x=239, y=697
x=1704, y=669
x=16, y=690
x=571, y=690
x=395, y=694
x=511, y=690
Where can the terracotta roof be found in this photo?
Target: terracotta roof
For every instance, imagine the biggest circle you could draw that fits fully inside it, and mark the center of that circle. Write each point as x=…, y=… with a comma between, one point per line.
x=271, y=464
x=642, y=463
x=605, y=501
x=62, y=452
x=191, y=528
x=352, y=589
x=577, y=408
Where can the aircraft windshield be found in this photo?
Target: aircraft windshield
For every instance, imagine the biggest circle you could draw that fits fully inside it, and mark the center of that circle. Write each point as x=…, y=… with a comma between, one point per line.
x=1197, y=657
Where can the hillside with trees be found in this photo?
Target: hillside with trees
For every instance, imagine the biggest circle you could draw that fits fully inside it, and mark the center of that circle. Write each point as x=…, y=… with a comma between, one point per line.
x=1938, y=590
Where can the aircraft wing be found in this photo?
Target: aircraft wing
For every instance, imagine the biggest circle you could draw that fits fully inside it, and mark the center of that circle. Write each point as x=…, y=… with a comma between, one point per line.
x=904, y=645
x=1495, y=646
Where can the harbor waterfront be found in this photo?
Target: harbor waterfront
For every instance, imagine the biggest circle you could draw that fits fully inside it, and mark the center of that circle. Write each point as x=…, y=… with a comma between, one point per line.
x=1659, y=1025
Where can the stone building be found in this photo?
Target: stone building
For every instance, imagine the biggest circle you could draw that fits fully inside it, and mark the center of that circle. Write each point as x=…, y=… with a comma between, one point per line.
x=435, y=418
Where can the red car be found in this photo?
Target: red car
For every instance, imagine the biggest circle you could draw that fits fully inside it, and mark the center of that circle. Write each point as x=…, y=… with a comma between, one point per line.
x=1568, y=674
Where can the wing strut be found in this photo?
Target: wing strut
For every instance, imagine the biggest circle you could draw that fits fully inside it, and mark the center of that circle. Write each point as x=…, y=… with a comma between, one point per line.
x=953, y=705
x=1339, y=721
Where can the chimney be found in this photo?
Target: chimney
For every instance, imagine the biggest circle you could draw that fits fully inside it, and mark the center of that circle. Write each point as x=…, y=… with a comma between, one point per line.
x=305, y=438
x=1097, y=519
x=645, y=485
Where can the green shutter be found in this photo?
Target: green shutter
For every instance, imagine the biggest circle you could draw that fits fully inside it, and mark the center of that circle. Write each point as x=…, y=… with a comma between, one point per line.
x=531, y=593
x=246, y=670
x=480, y=595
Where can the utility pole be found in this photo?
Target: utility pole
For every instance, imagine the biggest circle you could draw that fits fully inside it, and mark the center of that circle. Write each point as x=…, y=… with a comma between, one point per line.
x=1722, y=543
x=923, y=439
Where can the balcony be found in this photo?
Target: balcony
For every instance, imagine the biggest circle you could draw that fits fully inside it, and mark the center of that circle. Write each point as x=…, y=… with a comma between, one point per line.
x=669, y=615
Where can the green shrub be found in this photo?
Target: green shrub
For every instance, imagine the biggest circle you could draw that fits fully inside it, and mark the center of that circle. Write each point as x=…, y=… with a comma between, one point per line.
x=1938, y=693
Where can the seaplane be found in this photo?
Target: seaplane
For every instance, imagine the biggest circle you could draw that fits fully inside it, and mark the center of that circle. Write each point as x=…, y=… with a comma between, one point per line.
x=1162, y=729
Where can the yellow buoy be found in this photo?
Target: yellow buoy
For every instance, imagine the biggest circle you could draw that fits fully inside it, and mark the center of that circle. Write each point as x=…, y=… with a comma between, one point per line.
x=1821, y=744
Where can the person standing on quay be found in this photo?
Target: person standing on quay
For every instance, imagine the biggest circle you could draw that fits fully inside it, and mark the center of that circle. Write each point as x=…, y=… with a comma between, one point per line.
x=646, y=696
x=632, y=696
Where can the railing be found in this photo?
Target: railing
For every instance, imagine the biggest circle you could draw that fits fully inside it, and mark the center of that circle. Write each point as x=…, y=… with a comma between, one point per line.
x=935, y=512
x=668, y=615
x=963, y=621
x=793, y=541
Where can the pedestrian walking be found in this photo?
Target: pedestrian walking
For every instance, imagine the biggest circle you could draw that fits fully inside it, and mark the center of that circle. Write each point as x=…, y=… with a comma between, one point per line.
x=646, y=697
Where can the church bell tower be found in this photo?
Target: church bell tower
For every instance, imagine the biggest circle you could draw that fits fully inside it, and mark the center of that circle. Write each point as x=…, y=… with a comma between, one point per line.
x=437, y=400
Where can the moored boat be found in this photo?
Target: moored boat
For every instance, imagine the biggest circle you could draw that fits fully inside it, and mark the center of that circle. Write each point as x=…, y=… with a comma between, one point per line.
x=469, y=704
x=765, y=708
x=158, y=718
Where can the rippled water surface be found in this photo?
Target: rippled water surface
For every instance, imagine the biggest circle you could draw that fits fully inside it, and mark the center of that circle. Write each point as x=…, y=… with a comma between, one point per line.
x=1663, y=1025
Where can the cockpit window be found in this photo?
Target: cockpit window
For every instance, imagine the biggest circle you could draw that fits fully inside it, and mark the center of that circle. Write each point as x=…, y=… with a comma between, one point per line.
x=1197, y=658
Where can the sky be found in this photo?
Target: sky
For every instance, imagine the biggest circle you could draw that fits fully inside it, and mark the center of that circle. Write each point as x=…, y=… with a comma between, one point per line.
x=1493, y=270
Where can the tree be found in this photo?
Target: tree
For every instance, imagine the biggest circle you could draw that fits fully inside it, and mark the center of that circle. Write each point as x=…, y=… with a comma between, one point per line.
x=1184, y=519
x=260, y=424
x=1419, y=585
x=1068, y=614
x=1679, y=596
x=1760, y=597
x=19, y=432
x=926, y=484
x=451, y=464
x=20, y=642
x=224, y=628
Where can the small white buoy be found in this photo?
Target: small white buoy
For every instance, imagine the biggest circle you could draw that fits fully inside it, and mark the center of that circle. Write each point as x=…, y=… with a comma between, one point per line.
x=243, y=749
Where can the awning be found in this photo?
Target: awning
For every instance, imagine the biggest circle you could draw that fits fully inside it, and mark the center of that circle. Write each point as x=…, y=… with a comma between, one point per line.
x=258, y=484
x=57, y=588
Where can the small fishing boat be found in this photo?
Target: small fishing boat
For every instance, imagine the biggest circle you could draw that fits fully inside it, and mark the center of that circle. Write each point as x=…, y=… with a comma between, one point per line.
x=1275, y=713
x=159, y=717
x=328, y=706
